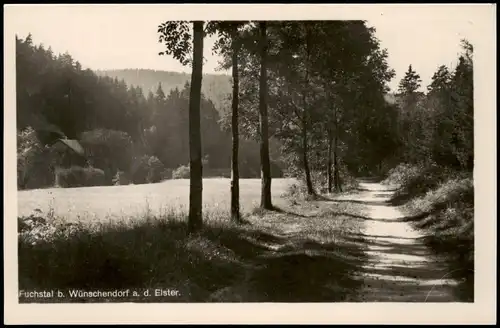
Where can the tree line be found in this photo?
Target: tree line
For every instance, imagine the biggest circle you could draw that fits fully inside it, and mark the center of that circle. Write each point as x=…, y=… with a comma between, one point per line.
x=438, y=127
x=308, y=98
x=215, y=86
x=124, y=131
x=319, y=88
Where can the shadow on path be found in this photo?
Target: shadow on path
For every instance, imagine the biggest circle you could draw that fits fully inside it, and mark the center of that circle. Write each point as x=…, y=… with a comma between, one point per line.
x=388, y=190
x=386, y=262
x=315, y=273
x=410, y=218
x=283, y=211
x=297, y=269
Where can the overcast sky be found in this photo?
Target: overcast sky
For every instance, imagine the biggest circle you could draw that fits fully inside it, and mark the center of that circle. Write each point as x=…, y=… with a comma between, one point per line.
x=115, y=37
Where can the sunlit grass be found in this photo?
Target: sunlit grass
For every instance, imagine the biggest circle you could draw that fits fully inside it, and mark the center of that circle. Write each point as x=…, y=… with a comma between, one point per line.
x=152, y=251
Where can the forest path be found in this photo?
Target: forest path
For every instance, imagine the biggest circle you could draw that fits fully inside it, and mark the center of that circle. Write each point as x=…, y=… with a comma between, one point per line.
x=399, y=266
x=352, y=247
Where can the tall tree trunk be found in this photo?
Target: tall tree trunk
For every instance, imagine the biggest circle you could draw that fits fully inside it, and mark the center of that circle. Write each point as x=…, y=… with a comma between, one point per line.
x=329, y=167
x=305, y=150
x=336, y=173
x=195, y=221
x=235, y=175
x=305, y=154
x=329, y=133
x=265, y=165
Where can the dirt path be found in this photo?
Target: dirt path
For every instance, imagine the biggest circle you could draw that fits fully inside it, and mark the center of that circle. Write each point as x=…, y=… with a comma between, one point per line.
x=353, y=247
x=400, y=268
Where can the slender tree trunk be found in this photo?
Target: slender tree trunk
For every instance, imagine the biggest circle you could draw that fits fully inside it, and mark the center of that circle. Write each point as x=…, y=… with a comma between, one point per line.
x=305, y=154
x=265, y=165
x=305, y=150
x=329, y=132
x=336, y=173
x=195, y=221
x=329, y=167
x=235, y=175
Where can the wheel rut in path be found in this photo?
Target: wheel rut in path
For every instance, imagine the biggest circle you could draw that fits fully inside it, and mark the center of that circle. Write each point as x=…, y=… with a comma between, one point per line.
x=400, y=268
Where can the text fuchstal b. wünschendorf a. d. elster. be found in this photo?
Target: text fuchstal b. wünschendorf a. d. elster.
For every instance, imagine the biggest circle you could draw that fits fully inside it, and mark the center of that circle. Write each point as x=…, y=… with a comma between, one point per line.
x=98, y=293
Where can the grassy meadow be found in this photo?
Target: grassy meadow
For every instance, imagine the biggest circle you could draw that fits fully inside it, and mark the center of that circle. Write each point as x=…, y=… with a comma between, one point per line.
x=132, y=201
x=62, y=247
x=135, y=238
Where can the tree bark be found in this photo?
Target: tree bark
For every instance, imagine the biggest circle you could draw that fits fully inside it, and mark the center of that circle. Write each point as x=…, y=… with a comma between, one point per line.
x=329, y=167
x=235, y=175
x=307, y=170
x=195, y=221
x=265, y=165
x=336, y=173
x=305, y=153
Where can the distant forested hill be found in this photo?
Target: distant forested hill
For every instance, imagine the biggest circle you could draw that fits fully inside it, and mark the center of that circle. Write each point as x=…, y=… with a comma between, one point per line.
x=215, y=87
x=128, y=134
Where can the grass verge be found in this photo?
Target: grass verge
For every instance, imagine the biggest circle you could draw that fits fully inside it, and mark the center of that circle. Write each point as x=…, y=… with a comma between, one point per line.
x=297, y=254
x=447, y=200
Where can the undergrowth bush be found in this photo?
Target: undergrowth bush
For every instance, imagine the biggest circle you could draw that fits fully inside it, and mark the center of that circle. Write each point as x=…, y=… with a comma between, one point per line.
x=139, y=170
x=401, y=173
x=298, y=189
x=182, y=172
x=449, y=227
x=77, y=176
x=34, y=161
x=121, y=178
x=347, y=180
x=443, y=201
x=414, y=181
x=155, y=170
x=146, y=169
x=453, y=192
x=145, y=253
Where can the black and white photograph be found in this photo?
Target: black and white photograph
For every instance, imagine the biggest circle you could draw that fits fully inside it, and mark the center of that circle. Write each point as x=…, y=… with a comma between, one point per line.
x=169, y=154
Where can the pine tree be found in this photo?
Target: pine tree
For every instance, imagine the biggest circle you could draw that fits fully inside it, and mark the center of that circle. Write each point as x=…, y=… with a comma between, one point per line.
x=410, y=82
x=440, y=80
